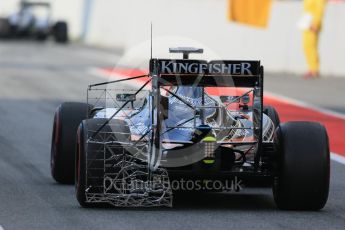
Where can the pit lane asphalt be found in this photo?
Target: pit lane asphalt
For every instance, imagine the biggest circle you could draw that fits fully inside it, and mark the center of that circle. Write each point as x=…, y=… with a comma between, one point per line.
x=35, y=78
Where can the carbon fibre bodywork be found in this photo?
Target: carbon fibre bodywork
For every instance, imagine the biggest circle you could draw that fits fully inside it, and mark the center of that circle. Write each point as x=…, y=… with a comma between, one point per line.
x=178, y=141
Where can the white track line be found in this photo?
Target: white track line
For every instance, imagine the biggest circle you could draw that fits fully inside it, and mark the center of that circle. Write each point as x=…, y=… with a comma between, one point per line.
x=334, y=156
x=338, y=158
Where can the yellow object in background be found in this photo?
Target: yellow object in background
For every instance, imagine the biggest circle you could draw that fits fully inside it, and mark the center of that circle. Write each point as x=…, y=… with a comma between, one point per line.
x=250, y=12
x=316, y=9
x=310, y=45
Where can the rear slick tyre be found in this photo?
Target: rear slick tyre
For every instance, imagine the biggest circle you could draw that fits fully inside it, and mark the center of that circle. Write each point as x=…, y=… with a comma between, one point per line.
x=66, y=121
x=302, y=182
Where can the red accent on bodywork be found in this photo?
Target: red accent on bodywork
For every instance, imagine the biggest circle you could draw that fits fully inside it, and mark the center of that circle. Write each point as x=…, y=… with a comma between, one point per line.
x=57, y=127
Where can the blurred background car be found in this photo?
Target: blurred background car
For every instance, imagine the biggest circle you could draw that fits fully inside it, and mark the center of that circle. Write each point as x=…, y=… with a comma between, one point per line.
x=33, y=20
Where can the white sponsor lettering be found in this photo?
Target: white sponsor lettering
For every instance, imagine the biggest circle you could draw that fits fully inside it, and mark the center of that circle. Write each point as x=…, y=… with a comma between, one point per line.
x=203, y=68
x=215, y=68
x=183, y=66
x=246, y=68
x=171, y=67
x=226, y=69
x=237, y=68
x=194, y=68
x=175, y=67
x=165, y=67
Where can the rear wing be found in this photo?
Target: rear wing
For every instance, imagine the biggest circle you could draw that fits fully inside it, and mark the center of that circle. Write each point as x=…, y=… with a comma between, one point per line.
x=218, y=73
x=213, y=73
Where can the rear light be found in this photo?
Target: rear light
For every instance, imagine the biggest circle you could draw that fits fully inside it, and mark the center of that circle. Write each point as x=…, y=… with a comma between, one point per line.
x=209, y=149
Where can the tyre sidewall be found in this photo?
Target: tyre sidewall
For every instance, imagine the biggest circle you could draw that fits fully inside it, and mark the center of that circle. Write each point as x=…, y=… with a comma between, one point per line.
x=303, y=166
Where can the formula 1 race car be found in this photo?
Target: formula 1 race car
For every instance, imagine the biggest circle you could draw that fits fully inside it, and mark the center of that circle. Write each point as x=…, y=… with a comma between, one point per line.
x=33, y=21
x=194, y=120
